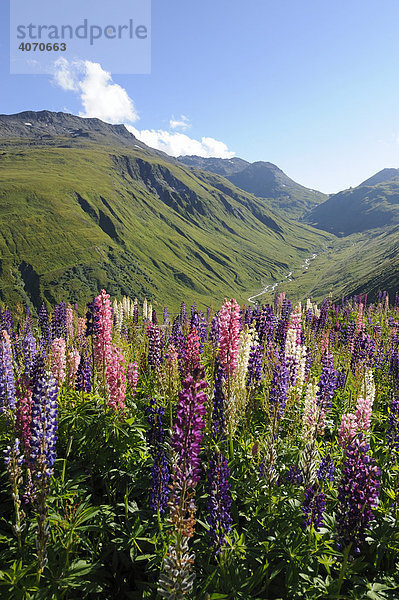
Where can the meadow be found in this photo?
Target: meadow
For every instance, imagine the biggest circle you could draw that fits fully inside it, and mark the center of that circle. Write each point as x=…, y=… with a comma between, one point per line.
x=247, y=453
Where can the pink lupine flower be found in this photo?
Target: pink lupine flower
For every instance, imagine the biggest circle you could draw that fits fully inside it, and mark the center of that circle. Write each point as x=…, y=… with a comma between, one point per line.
x=132, y=376
x=359, y=320
x=58, y=359
x=192, y=351
x=104, y=327
x=116, y=378
x=347, y=430
x=229, y=335
x=363, y=413
x=73, y=364
x=69, y=321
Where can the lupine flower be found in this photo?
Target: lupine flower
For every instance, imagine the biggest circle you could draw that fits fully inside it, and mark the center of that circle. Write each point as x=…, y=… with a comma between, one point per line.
x=132, y=375
x=103, y=329
x=58, y=359
x=229, y=332
x=7, y=384
x=254, y=374
x=219, y=500
x=154, y=347
x=293, y=475
x=393, y=427
x=73, y=364
x=69, y=321
x=116, y=378
x=83, y=374
x=348, y=429
x=192, y=352
x=160, y=467
x=187, y=430
x=58, y=321
x=313, y=507
x=177, y=578
x=278, y=389
x=237, y=400
x=357, y=494
x=44, y=425
x=326, y=469
x=327, y=386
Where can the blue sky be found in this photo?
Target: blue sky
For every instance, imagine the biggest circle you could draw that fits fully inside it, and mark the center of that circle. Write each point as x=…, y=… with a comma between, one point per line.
x=308, y=85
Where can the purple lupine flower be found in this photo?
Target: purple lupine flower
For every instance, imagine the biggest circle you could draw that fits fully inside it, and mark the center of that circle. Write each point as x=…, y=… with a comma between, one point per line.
x=326, y=469
x=165, y=315
x=255, y=361
x=357, y=494
x=135, y=313
x=7, y=383
x=279, y=388
x=44, y=326
x=219, y=500
x=160, y=468
x=218, y=420
x=281, y=334
x=341, y=380
x=313, y=507
x=154, y=347
x=214, y=334
x=325, y=305
x=58, y=321
x=154, y=317
x=265, y=324
x=187, y=430
x=363, y=351
x=183, y=316
x=327, y=384
x=293, y=475
x=44, y=425
x=83, y=374
x=7, y=322
x=392, y=434
x=308, y=362
x=202, y=330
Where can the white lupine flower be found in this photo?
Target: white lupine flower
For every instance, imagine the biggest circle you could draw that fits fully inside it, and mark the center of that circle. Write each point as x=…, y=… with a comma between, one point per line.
x=145, y=309
x=238, y=388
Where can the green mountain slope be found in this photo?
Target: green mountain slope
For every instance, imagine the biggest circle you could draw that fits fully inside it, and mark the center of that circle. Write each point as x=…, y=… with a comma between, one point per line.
x=264, y=180
x=373, y=204
x=84, y=206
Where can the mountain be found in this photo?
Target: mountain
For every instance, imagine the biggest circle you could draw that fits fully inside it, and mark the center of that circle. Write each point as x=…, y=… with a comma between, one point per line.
x=85, y=205
x=264, y=180
x=219, y=166
x=372, y=204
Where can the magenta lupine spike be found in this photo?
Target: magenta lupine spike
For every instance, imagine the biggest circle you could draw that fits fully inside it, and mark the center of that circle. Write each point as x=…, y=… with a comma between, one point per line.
x=116, y=379
x=229, y=336
x=58, y=359
x=103, y=328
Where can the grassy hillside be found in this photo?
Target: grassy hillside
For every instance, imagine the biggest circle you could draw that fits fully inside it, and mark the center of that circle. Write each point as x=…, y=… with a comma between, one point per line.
x=76, y=216
x=373, y=204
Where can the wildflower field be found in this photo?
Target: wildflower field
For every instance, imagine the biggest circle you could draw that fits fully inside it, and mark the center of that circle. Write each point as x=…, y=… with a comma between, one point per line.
x=248, y=452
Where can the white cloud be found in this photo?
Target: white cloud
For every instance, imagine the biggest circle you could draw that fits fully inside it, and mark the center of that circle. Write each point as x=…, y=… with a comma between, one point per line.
x=180, y=144
x=110, y=102
x=100, y=97
x=183, y=123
